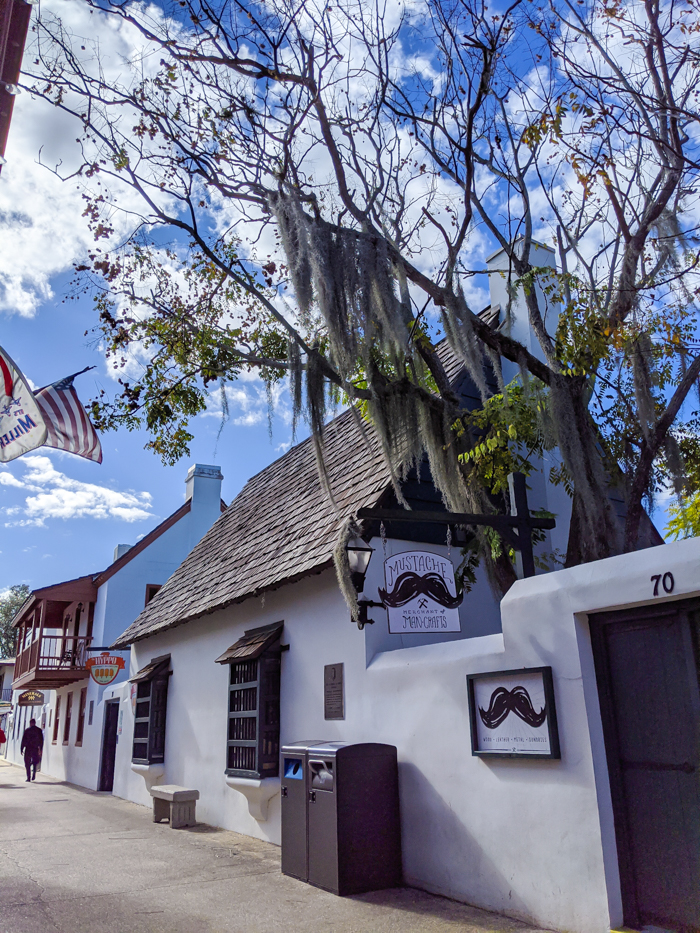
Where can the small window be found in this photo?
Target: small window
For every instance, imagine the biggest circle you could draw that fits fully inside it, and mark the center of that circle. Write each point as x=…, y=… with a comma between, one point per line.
x=151, y=590
x=150, y=714
x=81, y=717
x=66, y=725
x=253, y=740
x=56, y=720
x=254, y=718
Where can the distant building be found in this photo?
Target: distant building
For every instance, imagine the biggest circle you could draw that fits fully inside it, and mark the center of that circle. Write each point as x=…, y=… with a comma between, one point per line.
x=65, y=629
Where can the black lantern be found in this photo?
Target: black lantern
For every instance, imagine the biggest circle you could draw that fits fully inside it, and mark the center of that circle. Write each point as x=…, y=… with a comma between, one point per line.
x=359, y=553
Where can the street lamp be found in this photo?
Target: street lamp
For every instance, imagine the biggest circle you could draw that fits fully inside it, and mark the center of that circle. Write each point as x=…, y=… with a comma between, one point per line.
x=359, y=554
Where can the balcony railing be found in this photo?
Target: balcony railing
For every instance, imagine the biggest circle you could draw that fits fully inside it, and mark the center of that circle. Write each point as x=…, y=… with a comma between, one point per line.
x=53, y=655
x=6, y=695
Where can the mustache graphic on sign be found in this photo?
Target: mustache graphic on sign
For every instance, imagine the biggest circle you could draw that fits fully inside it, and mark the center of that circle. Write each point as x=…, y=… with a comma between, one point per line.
x=409, y=585
x=516, y=701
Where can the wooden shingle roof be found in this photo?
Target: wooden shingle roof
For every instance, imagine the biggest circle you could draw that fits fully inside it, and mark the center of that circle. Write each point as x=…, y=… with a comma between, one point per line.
x=280, y=528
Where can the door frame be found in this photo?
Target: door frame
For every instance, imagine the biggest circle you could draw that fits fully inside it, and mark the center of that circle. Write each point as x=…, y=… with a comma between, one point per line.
x=107, y=704
x=597, y=622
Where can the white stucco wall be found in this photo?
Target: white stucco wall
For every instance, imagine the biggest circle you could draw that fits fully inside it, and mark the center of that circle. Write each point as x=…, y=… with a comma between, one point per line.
x=533, y=839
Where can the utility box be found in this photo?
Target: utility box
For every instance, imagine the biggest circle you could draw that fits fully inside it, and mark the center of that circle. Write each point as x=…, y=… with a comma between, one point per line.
x=340, y=816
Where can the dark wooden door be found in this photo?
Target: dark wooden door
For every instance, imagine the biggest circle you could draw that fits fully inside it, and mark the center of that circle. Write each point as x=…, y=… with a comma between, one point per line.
x=647, y=668
x=109, y=745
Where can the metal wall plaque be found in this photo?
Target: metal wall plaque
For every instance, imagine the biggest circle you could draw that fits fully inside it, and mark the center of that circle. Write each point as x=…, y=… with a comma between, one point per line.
x=512, y=714
x=333, y=692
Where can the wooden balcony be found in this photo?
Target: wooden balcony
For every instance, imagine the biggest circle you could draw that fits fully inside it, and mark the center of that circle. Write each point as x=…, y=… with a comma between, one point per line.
x=51, y=661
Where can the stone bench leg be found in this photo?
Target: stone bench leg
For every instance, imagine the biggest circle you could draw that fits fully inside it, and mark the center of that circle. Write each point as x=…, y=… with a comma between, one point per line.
x=182, y=813
x=161, y=810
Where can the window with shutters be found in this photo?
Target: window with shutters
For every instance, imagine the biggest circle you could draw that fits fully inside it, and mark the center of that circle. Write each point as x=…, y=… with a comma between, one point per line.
x=254, y=718
x=66, y=725
x=81, y=717
x=151, y=713
x=56, y=720
x=252, y=748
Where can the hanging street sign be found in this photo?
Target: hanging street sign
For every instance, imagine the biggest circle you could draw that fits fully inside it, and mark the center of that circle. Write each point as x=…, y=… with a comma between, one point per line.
x=31, y=698
x=420, y=594
x=104, y=668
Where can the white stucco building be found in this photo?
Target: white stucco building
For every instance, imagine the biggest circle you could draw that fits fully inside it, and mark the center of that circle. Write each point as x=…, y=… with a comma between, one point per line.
x=229, y=663
x=63, y=626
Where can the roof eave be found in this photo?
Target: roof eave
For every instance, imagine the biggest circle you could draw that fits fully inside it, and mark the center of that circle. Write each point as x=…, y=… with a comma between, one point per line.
x=124, y=641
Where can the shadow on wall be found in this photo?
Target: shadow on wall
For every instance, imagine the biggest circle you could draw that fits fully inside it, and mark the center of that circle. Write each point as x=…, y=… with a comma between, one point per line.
x=425, y=816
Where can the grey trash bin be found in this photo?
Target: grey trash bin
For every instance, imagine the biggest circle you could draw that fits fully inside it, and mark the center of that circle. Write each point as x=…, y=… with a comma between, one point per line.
x=340, y=816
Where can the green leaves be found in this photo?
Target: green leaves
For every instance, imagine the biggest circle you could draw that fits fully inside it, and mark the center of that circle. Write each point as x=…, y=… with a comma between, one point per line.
x=9, y=604
x=172, y=324
x=504, y=435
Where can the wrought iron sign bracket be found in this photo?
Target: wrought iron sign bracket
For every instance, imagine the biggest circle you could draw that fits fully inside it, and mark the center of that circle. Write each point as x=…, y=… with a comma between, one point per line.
x=363, y=618
x=515, y=529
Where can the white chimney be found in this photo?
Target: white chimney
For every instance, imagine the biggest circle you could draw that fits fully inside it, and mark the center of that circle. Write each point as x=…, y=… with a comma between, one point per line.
x=203, y=490
x=203, y=482
x=121, y=549
x=501, y=274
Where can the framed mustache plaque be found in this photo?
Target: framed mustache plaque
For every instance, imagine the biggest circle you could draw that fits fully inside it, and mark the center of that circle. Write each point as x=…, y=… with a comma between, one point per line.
x=420, y=594
x=512, y=714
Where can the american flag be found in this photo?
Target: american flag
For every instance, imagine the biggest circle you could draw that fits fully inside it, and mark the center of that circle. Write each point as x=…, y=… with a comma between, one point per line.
x=68, y=426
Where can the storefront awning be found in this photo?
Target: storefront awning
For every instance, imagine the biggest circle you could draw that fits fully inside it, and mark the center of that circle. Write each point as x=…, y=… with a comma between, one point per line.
x=252, y=644
x=152, y=669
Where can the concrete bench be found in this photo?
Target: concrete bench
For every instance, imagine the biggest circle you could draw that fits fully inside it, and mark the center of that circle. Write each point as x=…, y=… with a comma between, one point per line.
x=174, y=803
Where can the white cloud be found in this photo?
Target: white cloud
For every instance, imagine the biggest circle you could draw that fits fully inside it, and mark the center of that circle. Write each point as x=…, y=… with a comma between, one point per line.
x=44, y=231
x=55, y=495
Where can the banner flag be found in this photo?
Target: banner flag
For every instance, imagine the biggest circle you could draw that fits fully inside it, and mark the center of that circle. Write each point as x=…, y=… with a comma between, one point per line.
x=68, y=426
x=22, y=426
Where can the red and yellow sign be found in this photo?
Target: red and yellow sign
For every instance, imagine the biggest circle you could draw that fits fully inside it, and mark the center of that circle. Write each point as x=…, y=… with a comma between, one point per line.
x=104, y=668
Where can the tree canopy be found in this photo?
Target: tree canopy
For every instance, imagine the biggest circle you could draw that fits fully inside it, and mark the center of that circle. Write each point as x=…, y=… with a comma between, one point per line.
x=318, y=185
x=10, y=602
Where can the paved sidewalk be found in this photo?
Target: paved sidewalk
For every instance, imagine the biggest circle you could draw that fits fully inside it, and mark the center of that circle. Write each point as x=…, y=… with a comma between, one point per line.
x=72, y=860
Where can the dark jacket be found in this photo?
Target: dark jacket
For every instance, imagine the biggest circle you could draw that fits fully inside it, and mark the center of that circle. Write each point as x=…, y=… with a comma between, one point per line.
x=32, y=740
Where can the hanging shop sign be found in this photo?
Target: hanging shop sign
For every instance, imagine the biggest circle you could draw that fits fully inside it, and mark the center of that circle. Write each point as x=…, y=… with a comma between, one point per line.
x=420, y=594
x=31, y=698
x=512, y=714
x=104, y=668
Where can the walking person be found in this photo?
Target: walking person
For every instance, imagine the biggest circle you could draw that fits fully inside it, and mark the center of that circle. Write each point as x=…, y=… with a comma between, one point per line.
x=32, y=746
